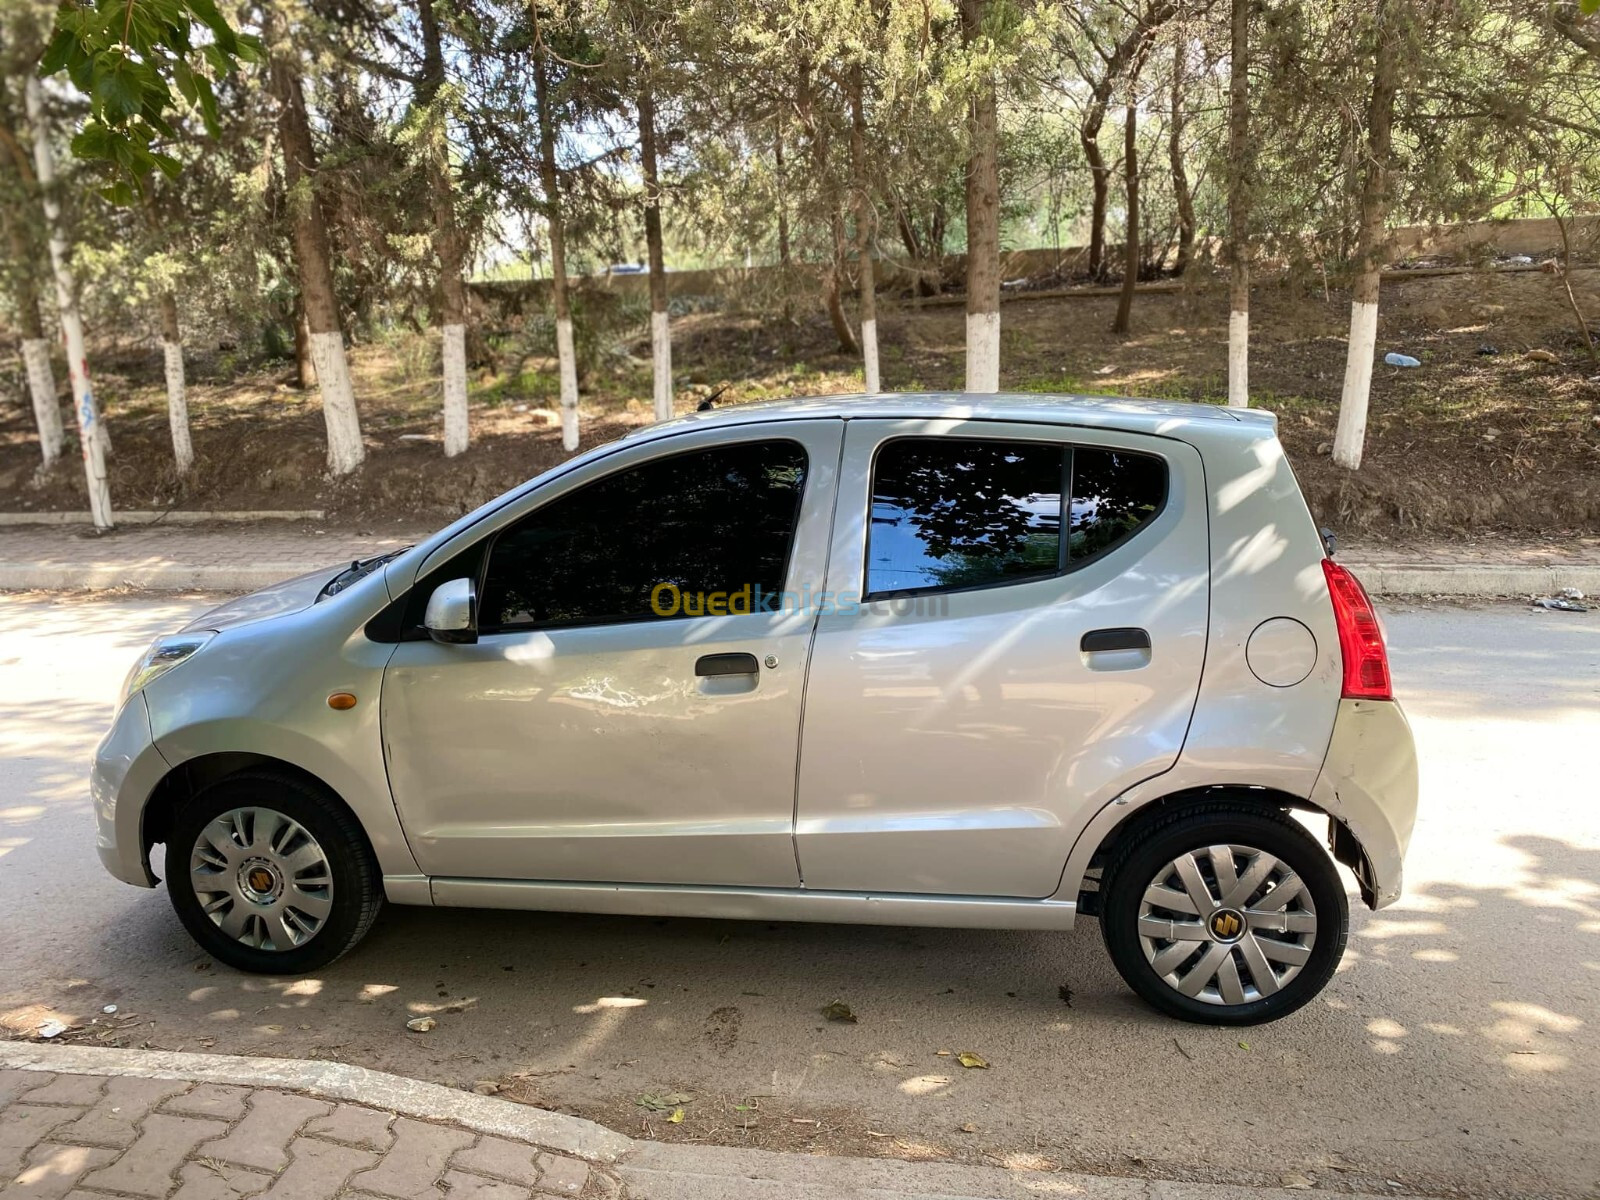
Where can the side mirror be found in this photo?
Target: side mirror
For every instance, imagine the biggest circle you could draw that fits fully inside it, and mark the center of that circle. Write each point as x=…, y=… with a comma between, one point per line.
x=452, y=613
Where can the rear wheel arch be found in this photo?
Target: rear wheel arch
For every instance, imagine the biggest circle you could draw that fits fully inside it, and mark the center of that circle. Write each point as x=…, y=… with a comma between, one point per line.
x=1344, y=845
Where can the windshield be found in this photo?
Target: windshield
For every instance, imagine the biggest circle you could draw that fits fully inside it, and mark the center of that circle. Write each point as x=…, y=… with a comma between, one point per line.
x=358, y=569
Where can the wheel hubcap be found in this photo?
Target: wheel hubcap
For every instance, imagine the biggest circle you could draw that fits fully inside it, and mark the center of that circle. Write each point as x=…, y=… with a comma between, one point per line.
x=262, y=879
x=1227, y=924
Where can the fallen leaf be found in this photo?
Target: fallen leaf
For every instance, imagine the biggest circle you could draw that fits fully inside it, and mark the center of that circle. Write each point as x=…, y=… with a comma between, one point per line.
x=1066, y=995
x=839, y=1011
x=1294, y=1179
x=676, y=1118
x=969, y=1127
x=1244, y=1045
x=664, y=1103
x=942, y=1053
x=421, y=1024
x=972, y=1061
x=485, y=1087
x=1544, y=356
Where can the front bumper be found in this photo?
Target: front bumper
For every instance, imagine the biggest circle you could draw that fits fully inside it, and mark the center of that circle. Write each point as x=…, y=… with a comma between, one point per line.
x=1368, y=785
x=127, y=767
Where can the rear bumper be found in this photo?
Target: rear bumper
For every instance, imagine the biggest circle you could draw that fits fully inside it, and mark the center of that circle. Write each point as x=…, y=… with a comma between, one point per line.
x=127, y=767
x=1368, y=785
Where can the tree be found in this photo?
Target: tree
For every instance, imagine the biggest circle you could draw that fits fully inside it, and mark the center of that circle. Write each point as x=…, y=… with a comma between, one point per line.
x=433, y=115
x=1241, y=161
x=313, y=264
x=18, y=208
x=983, y=206
x=1182, y=194
x=1350, y=434
x=866, y=226
x=90, y=437
x=566, y=355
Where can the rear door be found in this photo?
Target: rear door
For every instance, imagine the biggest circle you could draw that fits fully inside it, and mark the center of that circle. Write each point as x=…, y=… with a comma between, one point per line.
x=986, y=675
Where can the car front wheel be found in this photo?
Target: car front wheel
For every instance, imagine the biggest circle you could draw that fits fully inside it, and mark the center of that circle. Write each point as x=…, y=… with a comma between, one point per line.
x=1224, y=915
x=271, y=876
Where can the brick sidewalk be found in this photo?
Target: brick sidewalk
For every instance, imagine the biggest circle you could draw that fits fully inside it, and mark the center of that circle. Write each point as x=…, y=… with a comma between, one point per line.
x=73, y=1137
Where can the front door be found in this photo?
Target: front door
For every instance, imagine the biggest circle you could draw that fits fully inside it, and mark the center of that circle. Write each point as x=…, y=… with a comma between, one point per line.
x=630, y=713
x=1026, y=644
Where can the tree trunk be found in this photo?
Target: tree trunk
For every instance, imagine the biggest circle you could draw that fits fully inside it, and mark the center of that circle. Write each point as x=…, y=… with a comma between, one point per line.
x=660, y=324
x=177, y=394
x=1130, y=249
x=786, y=276
x=1180, y=173
x=305, y=370
x=1240, y=184
x=833, y=288
x=1350, y=435
x=314, y=267
x=866, y=218
x=35, y=346
x=566, y=355
x=1100, y=175
x=83, y=404
x=447, y=245
x=983, y=221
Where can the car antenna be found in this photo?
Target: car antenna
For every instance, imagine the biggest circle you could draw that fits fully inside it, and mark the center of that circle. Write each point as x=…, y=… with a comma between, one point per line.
x=710, y=402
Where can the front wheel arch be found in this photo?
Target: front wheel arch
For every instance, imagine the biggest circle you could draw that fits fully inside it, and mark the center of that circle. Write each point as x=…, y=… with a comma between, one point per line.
x=188, y=779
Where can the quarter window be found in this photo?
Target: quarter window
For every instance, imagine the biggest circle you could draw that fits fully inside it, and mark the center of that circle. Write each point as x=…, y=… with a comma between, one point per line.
x=953, y=513
x=707, y=521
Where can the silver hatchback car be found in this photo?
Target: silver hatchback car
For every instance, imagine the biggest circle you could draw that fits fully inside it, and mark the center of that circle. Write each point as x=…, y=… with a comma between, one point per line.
x=947, y=660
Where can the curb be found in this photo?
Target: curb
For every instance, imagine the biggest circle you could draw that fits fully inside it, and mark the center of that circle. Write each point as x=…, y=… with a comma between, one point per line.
x=333, y=1081
x=1460, y=579
x=649, y=1170
x=160, y=577
x=176, y=516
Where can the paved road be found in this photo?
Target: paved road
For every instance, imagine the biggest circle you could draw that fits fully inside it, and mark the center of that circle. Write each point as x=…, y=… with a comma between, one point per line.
x=1458, y=1048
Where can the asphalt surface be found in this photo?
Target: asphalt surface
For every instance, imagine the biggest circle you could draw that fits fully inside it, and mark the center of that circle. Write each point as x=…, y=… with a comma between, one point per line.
x=1457, y=1050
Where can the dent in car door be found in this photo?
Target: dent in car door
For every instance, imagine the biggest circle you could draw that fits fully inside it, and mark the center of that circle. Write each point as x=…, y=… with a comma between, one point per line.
x=956, y=741
x=637, y=751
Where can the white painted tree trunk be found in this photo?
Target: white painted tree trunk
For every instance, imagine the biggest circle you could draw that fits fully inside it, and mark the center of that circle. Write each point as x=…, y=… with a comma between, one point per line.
x=345, y=450
x=1238, y=360
x=983, y=352
x=567, y=364
x=869, y=356
x=455, y=389
x=42, y=387
x=661, y=361
x=178, y=406
x=1351, y=432
x=88, y=415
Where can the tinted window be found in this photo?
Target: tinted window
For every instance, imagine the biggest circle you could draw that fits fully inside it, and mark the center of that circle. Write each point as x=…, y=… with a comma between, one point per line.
x=1113, y=494
x=710, y=521
x=953, y=513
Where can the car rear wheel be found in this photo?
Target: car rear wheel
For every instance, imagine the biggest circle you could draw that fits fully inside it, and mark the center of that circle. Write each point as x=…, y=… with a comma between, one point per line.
x=269, y=875
x=1224, y=915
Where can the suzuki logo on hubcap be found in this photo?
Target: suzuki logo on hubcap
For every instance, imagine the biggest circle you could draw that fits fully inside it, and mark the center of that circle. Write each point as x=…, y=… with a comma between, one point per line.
x=1226, y=925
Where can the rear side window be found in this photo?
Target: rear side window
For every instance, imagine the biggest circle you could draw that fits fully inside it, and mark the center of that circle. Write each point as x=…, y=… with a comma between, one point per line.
x=707, y=521
x=954, y=513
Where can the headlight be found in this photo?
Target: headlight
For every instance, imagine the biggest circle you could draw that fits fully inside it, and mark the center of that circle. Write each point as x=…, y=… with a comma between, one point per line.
x=164, y=654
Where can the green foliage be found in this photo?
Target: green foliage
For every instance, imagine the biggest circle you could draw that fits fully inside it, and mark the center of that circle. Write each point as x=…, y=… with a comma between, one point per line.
x=127, y=56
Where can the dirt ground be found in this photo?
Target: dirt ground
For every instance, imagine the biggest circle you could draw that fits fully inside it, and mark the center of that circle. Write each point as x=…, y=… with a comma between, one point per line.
x=1481, y=438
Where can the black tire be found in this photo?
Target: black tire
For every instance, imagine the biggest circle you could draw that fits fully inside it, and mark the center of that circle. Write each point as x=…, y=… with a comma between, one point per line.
x=357, y=891
x=1135, y=864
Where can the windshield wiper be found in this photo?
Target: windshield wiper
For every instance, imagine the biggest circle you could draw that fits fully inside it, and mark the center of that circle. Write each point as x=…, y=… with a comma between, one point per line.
x=357, y=570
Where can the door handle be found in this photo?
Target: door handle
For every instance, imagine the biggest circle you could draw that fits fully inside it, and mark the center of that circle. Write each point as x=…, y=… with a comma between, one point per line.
x=1097, y=640
x=726, y=664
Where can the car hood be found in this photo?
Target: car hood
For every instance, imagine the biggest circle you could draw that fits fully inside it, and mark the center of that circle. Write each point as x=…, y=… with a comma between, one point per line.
x=290, y=596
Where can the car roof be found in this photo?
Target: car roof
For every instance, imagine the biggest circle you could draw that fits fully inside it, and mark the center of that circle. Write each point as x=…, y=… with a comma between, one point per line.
x=1160, y=417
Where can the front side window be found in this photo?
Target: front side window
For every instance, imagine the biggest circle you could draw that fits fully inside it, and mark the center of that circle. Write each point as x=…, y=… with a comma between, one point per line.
x=707, y=521
x=952, y=513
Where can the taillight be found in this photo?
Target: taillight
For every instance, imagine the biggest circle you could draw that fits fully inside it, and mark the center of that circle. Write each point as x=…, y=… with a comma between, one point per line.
x=1366, y=661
